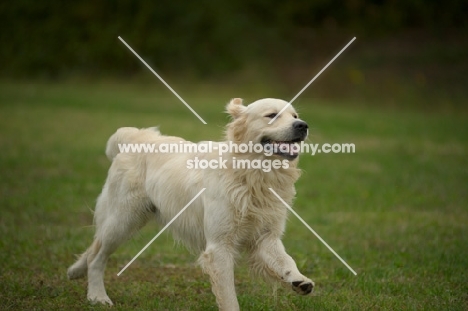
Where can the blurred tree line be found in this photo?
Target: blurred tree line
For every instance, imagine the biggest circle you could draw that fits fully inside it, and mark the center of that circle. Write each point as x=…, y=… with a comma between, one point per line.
x=59, y=38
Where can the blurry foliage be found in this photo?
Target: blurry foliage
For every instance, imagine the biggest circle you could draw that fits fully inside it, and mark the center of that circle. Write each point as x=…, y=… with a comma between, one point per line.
x=56, y=38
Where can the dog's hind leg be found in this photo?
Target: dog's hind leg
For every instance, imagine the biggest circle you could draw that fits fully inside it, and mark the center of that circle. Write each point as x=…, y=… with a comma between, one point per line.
x=80, y=267
x=118, y=215
x=96, y=266
x=115, y=223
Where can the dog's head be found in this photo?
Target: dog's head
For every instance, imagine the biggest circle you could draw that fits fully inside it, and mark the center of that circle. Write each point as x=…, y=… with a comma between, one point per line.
x=251, y=124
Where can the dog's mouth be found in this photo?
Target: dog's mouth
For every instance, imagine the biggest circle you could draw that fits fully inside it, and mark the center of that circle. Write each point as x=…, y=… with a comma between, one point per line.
x=288, y=149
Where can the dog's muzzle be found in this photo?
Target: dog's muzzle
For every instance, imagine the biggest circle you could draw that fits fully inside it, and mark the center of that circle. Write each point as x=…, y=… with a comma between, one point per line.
x=300, y=129
x=288, y=148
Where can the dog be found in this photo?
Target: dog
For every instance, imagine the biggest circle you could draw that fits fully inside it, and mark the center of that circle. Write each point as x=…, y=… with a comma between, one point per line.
x=236, y=213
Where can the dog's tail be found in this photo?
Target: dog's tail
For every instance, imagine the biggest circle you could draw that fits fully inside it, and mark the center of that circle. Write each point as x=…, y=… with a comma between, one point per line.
x=124, y=135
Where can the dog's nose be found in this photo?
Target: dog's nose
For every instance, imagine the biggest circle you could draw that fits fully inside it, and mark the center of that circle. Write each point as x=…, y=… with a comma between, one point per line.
x=300, y=125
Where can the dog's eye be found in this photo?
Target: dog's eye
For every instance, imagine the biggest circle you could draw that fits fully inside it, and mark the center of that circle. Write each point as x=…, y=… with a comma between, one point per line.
x=295, y=116
x=271, y=115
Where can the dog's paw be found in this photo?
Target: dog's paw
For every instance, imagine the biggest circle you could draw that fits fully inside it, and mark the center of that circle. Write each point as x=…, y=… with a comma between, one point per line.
x=303, y=287
x=105, y=300
x=75, y=273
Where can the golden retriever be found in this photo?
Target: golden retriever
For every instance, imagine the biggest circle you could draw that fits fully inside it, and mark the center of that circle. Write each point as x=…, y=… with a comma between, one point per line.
x=236, y=213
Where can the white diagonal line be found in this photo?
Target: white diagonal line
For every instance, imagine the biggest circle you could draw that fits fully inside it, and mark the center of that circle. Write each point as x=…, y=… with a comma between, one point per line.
x=162, y=80
x=313, y=79
x=312, y=230
x=162, y=230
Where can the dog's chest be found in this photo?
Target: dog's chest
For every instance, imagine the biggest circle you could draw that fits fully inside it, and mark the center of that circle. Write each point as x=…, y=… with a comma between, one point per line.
x=258, y=216
x=256, y=209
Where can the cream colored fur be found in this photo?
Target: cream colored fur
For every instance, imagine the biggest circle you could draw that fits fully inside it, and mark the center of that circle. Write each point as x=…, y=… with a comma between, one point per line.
x=237, y=211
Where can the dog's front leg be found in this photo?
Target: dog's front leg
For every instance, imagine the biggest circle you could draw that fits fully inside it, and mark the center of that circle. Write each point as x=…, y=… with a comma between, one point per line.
x=218, y=262
x=270, y=260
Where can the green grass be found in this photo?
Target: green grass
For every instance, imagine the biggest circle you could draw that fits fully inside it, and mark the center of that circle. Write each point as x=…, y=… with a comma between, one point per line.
x=396, y=210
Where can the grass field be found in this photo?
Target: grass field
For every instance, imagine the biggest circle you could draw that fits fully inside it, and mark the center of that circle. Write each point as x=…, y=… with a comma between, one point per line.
x=396, y=210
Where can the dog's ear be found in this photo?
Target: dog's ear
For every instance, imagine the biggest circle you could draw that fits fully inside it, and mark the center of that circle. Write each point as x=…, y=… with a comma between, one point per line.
x=235, y=107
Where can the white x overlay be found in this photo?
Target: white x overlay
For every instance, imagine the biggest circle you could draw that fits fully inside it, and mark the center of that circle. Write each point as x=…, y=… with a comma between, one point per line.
x=162, y=230
x=203, y=121
x=310, y=82
x=162, y=80
x=313, y=231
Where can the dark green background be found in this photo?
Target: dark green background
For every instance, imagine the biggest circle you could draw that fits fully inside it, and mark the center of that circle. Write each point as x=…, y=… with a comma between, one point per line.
x=58, y=38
